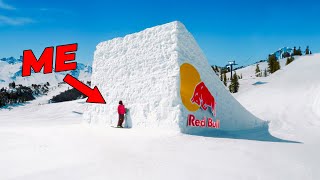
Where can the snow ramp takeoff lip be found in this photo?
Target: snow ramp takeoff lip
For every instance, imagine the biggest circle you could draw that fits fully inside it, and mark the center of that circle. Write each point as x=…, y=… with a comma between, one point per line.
x=163, y=77
x=211, y=110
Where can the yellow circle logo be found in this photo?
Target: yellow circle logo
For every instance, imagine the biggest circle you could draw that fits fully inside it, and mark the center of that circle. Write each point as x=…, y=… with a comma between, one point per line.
x=189, y=78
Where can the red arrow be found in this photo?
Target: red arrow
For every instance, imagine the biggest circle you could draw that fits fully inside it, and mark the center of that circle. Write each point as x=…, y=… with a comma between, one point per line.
x=94, y=95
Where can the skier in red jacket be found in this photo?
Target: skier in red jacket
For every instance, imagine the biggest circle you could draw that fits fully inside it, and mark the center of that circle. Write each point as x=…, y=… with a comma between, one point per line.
x=121, y=112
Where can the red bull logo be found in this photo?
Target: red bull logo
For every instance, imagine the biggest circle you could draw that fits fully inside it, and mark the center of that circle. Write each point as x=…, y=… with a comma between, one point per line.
x=203, y=98
x=195, y=95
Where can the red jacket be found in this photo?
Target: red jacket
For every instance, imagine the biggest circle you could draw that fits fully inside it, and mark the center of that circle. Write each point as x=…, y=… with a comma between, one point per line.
x=121, y=109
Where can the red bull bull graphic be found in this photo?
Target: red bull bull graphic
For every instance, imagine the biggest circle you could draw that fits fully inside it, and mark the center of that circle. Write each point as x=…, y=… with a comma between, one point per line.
x=203, y=98
x=195, y=95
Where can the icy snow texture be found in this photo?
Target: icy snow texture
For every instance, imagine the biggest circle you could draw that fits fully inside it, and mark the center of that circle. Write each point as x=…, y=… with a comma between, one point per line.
x=142, y=70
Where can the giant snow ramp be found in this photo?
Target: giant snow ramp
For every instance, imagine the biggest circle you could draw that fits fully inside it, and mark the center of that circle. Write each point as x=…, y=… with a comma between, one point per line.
x=163, y=77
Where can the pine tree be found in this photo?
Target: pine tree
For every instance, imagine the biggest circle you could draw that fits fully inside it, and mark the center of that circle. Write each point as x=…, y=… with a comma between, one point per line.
x=265, y=73
x=294, y=51
x=12, y=85
x=307, y=50
x=225, y=79
x=289, y=60
x=299, y=53
x=234, y=86
x=258, y=72
x=273, y=64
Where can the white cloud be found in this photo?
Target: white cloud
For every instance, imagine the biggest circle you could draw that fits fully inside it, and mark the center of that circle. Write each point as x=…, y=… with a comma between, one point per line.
x=15, y=21
x=3, y=5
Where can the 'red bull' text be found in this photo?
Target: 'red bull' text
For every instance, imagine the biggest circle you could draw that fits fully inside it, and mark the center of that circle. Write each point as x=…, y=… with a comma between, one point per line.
x=192, y=121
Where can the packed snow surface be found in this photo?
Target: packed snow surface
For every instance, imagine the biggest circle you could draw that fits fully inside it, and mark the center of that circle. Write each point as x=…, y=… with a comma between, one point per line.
x=48, y=141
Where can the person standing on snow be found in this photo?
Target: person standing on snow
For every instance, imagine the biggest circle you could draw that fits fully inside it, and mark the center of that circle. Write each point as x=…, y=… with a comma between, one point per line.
x=121, y=112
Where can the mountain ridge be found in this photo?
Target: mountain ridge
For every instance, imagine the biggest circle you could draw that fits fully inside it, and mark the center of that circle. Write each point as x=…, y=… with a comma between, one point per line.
x=11, y=70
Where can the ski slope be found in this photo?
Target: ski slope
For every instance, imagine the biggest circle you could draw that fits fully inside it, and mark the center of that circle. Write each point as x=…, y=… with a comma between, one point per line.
x=48, y=141
x=249, y=80
x=292, y=93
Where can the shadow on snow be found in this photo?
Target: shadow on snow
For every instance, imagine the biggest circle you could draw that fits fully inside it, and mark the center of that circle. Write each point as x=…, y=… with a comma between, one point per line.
x=257, y=134
x=259, y=83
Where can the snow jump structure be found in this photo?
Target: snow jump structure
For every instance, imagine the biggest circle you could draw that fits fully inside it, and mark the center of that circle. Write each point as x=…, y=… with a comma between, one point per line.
x=164, y=79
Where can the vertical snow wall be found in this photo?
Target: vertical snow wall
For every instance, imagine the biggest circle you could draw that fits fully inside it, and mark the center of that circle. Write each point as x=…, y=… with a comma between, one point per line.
x=157, y=73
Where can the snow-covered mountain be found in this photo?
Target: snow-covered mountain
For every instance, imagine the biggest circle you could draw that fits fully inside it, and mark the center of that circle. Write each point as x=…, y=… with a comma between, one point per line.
x=11, y=70
x=12, y=60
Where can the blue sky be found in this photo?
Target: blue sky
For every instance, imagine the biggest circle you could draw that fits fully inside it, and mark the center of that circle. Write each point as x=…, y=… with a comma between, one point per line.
x=244, y=31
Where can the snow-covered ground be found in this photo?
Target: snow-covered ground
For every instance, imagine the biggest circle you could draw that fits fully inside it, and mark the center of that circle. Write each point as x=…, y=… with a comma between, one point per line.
x=48, y=141
x=249, y=80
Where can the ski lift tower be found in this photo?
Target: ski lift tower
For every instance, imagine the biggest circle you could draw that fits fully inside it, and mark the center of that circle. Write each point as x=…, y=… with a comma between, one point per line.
x=230, y=65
